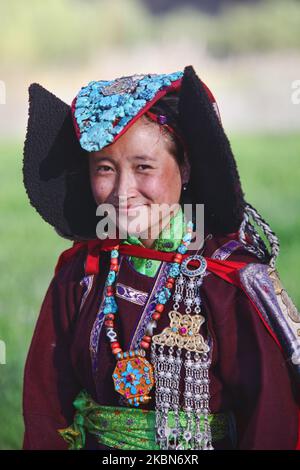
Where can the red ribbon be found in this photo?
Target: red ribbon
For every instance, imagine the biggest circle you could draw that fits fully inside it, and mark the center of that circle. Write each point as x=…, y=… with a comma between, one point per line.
x=227, y=270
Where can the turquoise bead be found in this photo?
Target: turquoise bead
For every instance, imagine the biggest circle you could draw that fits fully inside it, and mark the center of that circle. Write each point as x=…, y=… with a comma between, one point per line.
x=111, y=277
x=187, y=237
x=96, y=112
x=174, y=270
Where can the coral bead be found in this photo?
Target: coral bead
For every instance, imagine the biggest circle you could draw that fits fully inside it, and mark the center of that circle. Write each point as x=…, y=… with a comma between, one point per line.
x=114, y=268
x=159, y=307
x=147, y=339
x=145, y=345
x=116, y=351
x=109, y=294
x=171, y=280
x=115, y=344
x=156, y=316
x=169, y=285
x=114, y=261
x=110, y=316
x=109, y=323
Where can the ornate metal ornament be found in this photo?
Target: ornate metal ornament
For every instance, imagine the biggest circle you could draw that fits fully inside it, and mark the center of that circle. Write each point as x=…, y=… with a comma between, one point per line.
x=181, y=346
x=122, y=85
x=283, y=297
x=183, y=332
x=133, y=377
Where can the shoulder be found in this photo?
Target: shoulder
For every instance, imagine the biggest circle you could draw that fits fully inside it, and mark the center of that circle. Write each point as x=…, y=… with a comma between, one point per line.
x=228, y=247
x=70, y=265
x=263, y=286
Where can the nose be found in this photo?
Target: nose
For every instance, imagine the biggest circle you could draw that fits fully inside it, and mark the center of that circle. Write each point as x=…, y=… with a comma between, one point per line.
x=125, y=187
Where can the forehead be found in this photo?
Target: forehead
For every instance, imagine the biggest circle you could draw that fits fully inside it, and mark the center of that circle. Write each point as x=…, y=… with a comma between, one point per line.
x=143, y=138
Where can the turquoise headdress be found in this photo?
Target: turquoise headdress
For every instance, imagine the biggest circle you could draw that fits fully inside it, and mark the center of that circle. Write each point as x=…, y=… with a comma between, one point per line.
x=103, y=110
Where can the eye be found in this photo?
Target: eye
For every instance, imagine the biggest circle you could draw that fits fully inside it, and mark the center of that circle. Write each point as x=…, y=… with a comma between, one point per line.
x=144, y=167
x=103, y=168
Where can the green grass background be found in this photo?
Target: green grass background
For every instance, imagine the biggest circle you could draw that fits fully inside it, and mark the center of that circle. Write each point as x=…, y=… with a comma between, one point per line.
x=270, y=173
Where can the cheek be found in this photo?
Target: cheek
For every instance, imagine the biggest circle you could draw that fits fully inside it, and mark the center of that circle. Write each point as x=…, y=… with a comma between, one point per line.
x=101, y=188
x=165, y=187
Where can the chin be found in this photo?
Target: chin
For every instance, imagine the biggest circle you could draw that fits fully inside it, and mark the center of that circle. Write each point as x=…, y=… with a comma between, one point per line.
x=134, y=228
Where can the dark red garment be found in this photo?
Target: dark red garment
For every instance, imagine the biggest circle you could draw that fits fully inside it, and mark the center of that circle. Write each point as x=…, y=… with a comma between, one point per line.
x=249, y=375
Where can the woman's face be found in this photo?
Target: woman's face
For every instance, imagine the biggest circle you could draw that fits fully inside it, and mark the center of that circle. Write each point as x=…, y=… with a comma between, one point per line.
x=137, y=171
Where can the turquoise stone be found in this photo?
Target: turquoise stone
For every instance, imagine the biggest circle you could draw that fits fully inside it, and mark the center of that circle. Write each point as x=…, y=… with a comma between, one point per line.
x=101, y=103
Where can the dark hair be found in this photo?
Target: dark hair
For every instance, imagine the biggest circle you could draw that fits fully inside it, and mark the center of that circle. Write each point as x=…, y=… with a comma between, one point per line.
x=168, y=106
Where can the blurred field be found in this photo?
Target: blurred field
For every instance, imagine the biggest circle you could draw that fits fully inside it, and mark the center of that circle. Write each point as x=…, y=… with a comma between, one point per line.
x=84, y=28
x=270, y=172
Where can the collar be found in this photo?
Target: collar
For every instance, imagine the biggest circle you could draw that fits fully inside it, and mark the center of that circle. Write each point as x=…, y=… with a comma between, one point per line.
x=170, y=236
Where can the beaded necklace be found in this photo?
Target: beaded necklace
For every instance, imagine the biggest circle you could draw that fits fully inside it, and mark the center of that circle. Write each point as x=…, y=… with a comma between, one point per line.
x=133, y=375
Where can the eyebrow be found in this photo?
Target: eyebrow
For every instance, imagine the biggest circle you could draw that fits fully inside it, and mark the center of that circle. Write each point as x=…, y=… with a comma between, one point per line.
x=134, y=157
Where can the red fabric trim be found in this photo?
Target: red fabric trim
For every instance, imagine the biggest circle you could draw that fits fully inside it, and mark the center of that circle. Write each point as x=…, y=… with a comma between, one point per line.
x=209, y=93
x=173, y=87
x=262, y=319
x=66, y=255
x=212, y=99
x=227, y=270
x=298, y=442
x=94, y=248
x=75, y=124
x=154, y=117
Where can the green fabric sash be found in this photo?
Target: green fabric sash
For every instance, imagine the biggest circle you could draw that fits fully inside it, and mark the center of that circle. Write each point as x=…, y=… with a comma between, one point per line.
x=168, y=240
x=125, y=428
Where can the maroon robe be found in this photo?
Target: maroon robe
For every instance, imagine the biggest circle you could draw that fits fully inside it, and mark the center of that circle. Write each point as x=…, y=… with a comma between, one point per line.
x=249, y=375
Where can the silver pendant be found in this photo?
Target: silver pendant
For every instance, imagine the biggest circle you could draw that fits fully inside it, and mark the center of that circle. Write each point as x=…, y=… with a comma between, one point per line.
x=178, y=347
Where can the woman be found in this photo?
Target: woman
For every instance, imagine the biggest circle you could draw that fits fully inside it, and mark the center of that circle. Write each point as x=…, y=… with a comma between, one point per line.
x=153, y=342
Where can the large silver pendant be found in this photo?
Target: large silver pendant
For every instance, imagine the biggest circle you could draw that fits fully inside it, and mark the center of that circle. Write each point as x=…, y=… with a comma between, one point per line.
x=183, y=425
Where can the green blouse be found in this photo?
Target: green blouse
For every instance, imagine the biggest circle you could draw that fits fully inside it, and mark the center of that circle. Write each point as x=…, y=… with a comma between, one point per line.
x=169, y=239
